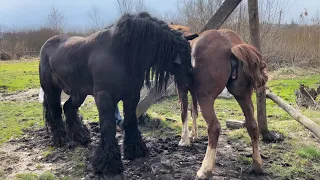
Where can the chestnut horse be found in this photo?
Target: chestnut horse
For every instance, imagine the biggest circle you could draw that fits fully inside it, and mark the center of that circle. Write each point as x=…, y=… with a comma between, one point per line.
x=221, y=59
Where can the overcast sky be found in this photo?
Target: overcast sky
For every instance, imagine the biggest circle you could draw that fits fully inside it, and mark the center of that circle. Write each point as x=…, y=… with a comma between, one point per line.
x=32, y=13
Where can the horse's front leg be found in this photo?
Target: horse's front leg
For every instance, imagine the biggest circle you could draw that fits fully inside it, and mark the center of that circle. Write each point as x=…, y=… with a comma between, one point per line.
x=133, y=145
x=107, y=158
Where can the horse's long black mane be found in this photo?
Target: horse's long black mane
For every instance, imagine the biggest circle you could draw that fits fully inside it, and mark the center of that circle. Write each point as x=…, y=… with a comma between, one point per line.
x=149, y=45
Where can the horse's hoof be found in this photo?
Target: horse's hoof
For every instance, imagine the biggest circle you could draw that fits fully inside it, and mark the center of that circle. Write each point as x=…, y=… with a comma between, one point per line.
x=107, y=159
x=184, y=142
x=203, y=174
x=191, y=135
x=134, y=147
x=110, y=167
x=257, y=170
x=59, y=138
x=79, y=134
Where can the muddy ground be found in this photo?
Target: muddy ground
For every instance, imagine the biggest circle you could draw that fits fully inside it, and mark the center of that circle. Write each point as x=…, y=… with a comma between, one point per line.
x=33, y=154
x=166, y=161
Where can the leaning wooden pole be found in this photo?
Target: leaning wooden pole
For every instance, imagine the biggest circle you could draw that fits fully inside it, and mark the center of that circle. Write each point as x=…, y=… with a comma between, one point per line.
x=306, y=122
x=253, y=11
x=216, y=21
x=153, y=95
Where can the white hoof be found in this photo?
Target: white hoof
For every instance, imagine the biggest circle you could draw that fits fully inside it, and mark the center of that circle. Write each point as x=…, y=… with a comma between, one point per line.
x=193, y=136
x=202, y=174
x=183, y=142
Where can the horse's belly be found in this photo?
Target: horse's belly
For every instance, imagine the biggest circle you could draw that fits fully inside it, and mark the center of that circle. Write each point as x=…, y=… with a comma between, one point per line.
x=71, y=86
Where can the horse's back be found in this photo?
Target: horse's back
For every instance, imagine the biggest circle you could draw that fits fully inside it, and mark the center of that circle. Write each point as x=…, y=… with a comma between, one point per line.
x=233, y=36
x=211, y=46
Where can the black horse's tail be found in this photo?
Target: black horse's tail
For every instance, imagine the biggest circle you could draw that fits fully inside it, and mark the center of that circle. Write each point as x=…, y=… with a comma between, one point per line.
x=45, y=73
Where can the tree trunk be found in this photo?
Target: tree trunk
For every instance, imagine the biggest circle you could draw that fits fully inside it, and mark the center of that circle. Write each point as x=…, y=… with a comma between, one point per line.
x=253, y=11
x=306, y=122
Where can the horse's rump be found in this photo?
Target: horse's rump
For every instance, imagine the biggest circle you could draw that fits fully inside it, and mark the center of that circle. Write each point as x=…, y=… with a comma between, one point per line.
x=253, y=64
x=63, y=60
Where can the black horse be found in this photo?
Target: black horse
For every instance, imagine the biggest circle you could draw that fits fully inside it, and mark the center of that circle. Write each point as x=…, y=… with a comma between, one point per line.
x=111, y=65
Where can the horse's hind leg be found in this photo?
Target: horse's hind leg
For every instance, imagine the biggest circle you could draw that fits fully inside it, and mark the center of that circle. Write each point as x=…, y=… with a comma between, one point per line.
x=183, y=96
x=133, y=145
x=243, y=96
x=214, y=127
x=194, y=115
x=53, y=111
x=77, y=131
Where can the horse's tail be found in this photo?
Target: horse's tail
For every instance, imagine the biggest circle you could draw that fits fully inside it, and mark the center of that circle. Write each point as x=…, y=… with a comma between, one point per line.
x=45, y=111
x=253, y=65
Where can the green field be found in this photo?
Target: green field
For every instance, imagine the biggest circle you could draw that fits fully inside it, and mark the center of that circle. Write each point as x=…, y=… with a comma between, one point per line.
x=302, y=151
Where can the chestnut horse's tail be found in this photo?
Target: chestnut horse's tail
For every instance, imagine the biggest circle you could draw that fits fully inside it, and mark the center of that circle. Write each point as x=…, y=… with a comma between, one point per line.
x=253, y=64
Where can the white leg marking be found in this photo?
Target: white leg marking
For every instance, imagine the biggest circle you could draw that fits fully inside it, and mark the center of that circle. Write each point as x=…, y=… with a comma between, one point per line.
x=208, y=162
x=194, y=133
x=184, y=135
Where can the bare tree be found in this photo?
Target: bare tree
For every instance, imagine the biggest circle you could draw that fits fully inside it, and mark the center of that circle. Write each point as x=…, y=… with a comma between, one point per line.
x=94, y=15
x=140, y=5
x=55, y=20
x=196, y=13
x=125, y=6
x=132, y=6
x=1, y=38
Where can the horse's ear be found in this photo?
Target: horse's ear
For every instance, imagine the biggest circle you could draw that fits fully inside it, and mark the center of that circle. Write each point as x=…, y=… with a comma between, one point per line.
x=171, y=23
x=178, y=59
x=191, y=37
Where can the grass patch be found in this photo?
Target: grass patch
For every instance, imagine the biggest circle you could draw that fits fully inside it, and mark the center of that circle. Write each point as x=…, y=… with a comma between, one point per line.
x=18, y=75
x=309, y=152
x=244, y=160
x=26, y=176
x=1, y=173
x=46, y=176
x=286, y=172
x=48, y=152
x=33, y=176
x=240, y=134
x=16, y=117
x=39, y=166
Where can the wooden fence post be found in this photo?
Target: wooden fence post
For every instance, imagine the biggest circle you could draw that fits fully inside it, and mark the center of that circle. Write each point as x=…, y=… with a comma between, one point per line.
x=253, y=11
